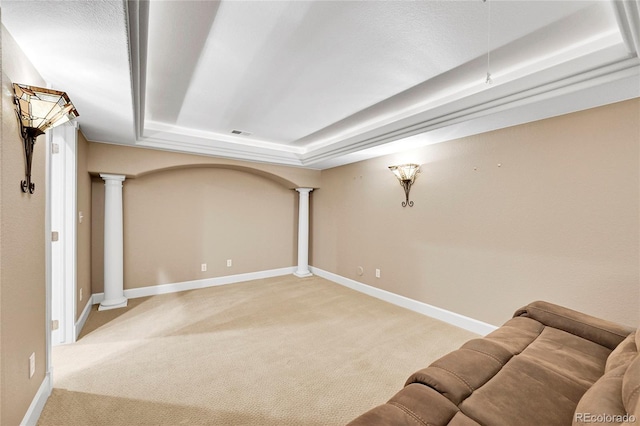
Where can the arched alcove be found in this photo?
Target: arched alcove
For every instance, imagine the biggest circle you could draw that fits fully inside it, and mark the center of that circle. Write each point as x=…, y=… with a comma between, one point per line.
x=134, y=162
x=281, y=180
x=177, y=219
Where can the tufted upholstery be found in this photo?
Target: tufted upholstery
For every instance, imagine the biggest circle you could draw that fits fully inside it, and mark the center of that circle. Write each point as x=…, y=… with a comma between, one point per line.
x=547, y=365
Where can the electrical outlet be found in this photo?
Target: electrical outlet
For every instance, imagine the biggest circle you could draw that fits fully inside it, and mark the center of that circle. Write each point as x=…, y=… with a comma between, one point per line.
x=81, y=294
x=229, y=263
x=203, y=267
x=377, y=273
x=32, y=364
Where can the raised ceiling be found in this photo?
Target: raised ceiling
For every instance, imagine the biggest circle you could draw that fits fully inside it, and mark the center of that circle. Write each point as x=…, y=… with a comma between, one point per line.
x=324, y=83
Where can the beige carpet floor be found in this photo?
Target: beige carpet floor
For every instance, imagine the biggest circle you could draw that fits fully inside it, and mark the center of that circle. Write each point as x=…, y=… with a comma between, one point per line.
x=278, y=351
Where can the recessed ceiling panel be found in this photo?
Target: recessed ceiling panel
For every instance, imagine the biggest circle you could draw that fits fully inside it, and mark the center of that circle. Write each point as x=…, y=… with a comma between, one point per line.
x=284, y=70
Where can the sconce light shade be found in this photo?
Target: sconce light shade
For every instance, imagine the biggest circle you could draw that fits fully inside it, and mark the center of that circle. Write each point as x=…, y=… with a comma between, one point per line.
x=405, y=171
x=39, y=109
x=406, y=174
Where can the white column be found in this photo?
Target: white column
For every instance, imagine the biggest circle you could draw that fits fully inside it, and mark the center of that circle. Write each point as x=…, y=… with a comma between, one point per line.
x=303, y=233
x=113, y=244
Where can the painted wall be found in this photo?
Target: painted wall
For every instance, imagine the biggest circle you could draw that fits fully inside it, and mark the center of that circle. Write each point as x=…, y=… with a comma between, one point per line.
x=134, y=162
x=546, y=210
x=177, y=219
x=83, y=233
x=22, y=249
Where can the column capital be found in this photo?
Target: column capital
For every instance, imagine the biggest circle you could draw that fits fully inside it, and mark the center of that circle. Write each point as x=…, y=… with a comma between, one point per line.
x=304, y=190
x=107, y=176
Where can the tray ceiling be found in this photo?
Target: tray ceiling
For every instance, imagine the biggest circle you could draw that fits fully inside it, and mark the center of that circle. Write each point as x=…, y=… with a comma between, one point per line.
x=323, y=83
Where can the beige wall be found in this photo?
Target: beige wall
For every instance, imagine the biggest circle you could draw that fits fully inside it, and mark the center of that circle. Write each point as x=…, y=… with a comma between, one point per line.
x=134, y=162
x=177, y=219
x=546, y=210
x=97, y=235
x=83, y=235
x=22, y=250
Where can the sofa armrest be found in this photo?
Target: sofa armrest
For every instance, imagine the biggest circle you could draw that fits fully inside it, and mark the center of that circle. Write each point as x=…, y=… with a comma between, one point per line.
x=605, y=333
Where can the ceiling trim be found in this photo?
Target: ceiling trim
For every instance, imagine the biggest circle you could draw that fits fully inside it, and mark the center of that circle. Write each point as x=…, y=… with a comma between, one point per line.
x=137, y=13
x=523, y=92
x=472, y=106
x=480, y=105
x=218, y=148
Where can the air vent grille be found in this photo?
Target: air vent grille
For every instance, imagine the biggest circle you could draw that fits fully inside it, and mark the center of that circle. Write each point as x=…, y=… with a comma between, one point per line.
x=240, y=132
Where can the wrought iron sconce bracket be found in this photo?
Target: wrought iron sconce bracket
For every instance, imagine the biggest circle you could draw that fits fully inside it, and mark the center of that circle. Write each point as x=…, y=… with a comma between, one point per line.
x=38, y=109
x=406, y=174
x=29, y=136
x=406, y=184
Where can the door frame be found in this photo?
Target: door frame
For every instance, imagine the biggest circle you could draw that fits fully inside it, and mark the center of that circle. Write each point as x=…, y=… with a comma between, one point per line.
x=61, y=216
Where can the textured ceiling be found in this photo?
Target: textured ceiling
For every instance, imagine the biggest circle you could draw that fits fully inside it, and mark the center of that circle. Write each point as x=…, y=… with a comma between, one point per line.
x=323, y=83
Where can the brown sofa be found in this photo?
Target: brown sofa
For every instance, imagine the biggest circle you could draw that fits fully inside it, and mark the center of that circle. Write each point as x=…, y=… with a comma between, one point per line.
x=548, y=365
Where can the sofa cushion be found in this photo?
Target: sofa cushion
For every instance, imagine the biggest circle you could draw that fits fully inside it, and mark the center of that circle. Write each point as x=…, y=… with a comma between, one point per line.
x=631, y=388
x=524, y=393
x=414, y=405
x=516, y=334
x=542, y=384
x=614, y=397
x=605, y=333
x=604, y=397
x=412, y=399
x=623, y=354
x=457, y=374
x=578, y=359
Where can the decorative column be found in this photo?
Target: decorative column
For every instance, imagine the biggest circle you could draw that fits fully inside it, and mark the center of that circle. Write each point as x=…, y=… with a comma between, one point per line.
x=303, y=233
x=113, y=244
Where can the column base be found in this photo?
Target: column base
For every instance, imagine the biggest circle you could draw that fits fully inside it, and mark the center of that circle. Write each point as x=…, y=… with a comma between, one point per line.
x=113, y=304
x=303, y=274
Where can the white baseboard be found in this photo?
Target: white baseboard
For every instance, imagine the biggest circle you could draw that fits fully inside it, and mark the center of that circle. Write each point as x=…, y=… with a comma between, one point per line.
x=453, y=318
x=39, y=400
x=83, y=318
x=193, y=285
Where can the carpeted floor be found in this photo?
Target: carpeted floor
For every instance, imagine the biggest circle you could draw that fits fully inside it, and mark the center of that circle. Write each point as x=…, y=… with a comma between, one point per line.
x=278, y=351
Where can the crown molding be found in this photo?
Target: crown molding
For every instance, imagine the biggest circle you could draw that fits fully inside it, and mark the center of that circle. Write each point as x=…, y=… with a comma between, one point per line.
x=472, y=112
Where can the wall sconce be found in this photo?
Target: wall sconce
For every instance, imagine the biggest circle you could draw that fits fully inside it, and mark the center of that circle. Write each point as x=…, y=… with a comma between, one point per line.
x=39, y=109
x=406, y=174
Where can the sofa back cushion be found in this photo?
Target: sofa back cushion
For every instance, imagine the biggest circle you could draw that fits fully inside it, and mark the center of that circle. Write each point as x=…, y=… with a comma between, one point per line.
x=613, y=399
x=605, y=333
x=623, y=353
x=631, y=384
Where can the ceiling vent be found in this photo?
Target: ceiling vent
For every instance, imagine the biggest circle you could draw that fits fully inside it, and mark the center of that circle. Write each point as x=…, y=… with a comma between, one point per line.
x=240, y=132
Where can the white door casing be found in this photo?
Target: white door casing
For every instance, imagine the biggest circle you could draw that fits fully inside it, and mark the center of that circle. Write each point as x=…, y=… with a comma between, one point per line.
x=63, y=178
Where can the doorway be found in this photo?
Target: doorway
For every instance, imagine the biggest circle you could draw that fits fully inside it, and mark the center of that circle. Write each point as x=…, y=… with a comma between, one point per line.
x=62, y=216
